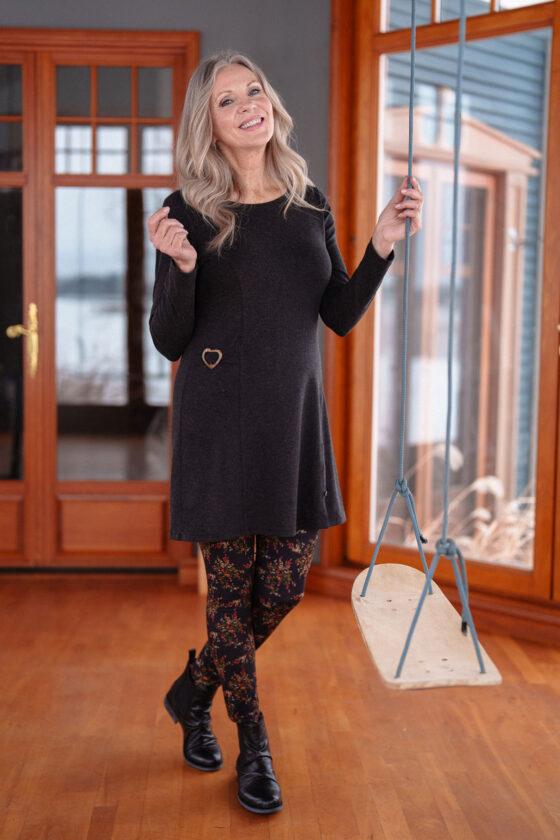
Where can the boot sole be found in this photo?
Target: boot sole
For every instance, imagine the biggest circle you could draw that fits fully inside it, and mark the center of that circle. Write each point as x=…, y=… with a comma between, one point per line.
x=204, y=769
x=260, y=810
x=175, y=719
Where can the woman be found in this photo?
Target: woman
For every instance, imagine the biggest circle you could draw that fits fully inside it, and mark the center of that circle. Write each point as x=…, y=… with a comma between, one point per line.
x=247, y=260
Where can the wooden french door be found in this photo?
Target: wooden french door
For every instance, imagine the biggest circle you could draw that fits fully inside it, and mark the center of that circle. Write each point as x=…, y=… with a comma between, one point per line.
x=87, y=127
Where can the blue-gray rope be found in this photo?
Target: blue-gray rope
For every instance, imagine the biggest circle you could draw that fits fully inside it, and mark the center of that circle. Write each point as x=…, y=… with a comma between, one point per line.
x=401, y=485
x=407, y=241
x=453, y=277
x=445, y=546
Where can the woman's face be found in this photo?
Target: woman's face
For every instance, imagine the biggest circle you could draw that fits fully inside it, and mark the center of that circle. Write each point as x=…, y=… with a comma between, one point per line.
x=242, y=115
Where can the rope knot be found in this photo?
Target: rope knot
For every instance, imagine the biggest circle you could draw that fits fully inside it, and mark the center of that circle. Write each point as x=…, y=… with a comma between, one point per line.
x=402, y=486
x=447, y=547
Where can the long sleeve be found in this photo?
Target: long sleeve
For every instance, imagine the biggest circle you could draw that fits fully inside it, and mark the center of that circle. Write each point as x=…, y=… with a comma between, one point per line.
x=346, y=299
x=173, y=307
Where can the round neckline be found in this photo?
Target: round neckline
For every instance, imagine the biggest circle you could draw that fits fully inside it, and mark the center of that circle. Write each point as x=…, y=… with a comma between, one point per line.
x=258, y=203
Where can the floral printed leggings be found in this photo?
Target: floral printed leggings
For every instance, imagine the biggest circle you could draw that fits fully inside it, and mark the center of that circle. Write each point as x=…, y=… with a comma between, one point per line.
x=253, y=582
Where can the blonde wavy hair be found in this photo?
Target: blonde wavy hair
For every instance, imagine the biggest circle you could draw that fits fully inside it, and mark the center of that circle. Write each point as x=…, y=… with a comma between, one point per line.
x=206, y=180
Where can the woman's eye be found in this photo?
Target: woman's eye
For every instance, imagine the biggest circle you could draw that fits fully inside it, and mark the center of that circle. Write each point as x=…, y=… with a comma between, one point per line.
x=254, y=90
x=224, y=102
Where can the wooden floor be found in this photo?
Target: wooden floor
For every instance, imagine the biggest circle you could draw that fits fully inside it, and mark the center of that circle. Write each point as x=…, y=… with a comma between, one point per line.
x=89, y=753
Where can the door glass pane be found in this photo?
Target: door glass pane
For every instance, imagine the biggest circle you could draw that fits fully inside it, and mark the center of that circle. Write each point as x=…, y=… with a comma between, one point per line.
x=113, y=387
x=73, y=149
x=155, y=143
x=495, y=361
x=73, y=91
x=11, y=349
x=11, y=147
x=113, y=92
x=154, y=92
x=10, y=90
x=112, y=149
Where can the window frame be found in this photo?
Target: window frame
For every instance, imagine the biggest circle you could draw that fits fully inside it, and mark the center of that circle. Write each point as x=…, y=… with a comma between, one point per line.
x=357, y=52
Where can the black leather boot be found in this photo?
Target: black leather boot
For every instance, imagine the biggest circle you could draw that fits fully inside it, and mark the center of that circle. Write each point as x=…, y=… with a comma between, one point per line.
x=259, y=790
x=189, y=705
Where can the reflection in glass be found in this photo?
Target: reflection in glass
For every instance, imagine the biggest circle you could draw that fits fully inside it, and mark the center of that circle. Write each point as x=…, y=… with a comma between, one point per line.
x=113, y=387
x=155, y=143
x=400, y=10
x=73, y=149
x=450, y=8
x=515, y=4
x=399, y=13
x=11, y=349
x=10, y=90
x=113, y=91
x=496, y=362
x=154, y=92
x=73, y=91
x=11, y=147
x=112, y=149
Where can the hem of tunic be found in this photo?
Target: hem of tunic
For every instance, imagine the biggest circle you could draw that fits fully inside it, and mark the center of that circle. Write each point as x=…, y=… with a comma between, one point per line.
x=268, y=532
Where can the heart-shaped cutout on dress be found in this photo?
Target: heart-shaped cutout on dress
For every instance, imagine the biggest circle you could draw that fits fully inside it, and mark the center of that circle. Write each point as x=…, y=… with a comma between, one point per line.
x=209, y=364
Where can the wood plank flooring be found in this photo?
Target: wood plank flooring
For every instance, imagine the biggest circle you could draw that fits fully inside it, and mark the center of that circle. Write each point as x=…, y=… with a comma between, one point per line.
x=89, y=753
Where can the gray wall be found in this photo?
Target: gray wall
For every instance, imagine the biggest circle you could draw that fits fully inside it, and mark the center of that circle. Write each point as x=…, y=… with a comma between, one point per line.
x=288, y=38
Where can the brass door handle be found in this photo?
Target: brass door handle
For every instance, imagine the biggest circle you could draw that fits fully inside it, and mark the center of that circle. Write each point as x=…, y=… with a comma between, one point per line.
x=32, y=333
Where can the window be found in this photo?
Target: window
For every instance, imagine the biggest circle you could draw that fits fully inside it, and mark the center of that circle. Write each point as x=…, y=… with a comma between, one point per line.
x=506, y=470
x=492, y=490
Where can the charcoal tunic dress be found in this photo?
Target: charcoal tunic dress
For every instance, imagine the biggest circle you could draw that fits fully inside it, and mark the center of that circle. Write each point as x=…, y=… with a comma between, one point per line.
x=251, y=445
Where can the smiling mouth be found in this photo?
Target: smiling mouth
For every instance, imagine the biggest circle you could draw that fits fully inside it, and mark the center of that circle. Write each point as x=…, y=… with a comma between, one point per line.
x=251, y=123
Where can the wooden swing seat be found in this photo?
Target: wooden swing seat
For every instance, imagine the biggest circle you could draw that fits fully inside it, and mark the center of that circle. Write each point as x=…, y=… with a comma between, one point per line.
x=439, y=655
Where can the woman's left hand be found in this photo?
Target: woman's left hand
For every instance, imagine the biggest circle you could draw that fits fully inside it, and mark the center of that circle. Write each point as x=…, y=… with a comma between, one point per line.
x=391, y=225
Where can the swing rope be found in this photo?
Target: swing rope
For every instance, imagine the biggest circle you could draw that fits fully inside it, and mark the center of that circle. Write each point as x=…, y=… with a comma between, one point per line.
x=401, y=485
x=445, y=546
